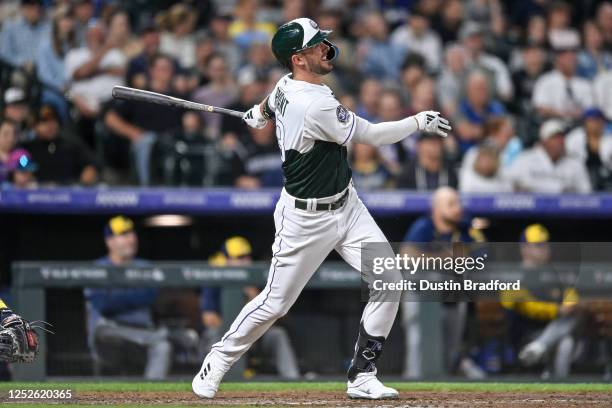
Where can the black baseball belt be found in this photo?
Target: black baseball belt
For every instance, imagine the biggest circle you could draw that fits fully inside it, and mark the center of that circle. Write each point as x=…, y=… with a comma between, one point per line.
x=303, y=204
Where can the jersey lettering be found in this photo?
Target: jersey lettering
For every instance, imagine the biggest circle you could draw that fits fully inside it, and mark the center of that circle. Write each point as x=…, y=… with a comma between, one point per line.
x=280, y=101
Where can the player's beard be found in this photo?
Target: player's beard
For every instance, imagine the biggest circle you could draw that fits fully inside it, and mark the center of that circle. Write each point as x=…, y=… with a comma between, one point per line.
x=324, y=67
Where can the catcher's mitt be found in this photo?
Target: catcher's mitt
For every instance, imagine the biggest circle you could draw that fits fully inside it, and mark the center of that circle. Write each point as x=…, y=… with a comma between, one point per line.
x=18, y=341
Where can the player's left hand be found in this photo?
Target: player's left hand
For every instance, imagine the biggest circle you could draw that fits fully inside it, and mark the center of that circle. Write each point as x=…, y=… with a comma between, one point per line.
x=254, y=118
x=18, y=341
x=431, y=121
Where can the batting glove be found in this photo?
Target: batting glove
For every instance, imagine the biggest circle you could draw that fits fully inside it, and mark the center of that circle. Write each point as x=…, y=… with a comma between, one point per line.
x=254, y=118
x=431, y=121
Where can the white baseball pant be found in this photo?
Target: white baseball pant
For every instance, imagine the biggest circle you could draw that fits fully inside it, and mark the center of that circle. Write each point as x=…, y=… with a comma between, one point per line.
x=302, y=242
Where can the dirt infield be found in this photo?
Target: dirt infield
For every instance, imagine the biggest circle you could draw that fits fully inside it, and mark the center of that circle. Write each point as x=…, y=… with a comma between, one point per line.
x=336, y=399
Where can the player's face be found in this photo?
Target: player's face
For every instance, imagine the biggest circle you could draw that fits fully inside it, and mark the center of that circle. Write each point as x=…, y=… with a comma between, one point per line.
x=315, y=59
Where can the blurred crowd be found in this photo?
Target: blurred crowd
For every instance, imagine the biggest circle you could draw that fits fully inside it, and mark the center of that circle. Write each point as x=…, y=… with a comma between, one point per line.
x=525, y=83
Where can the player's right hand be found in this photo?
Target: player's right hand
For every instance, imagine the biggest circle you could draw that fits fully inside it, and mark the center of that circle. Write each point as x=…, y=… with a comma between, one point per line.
x=431, y=121
x=254, y=118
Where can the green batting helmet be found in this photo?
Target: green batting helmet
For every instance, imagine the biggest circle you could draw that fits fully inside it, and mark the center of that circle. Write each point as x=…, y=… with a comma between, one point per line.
x=298, y=35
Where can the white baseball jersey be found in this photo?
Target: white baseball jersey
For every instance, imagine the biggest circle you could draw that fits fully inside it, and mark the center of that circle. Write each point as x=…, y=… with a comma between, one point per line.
x=312, y=129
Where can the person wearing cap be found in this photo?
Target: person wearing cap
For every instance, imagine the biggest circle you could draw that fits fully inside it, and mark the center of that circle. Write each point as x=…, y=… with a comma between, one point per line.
x=22, y=169
x=16, y=107
x=429, y=170
x=61, y=160
x=237, y=252
x=120, y=320
x=546, y=168
x=560, y=93
x=19, y=38
x=592, y=144
x=545, y=321
x=471, y=35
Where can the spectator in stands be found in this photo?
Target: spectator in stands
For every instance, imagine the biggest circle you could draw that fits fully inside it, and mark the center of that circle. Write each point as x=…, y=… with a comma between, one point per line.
x=21, y=170
x=224, y=44
x=142, y=124
x=593, y=58
x=376, y=56
x=603, y=96
x=8, y=140
x=483, y=173
x=448, y=22
x=415, y=36
x=93, y=71
x=245, y=29
x=427, y=171
x=369, y=171
x=369, y=96
x=19, y=39
x=220, y=91
x=411, y=74
x=389, y=109
x=61, y=160
x=236, y=252
x=592, y=145
x=533, y=64
x=560, y=93
x=50, y=60
x=546, y=168
x=471, y=37
x=432, y=235
x=604, y=21
x=205, y=47
x=83, y=14
x=451, y=79
x=138, y=67
x=542, y=323
x=119, y=320
x=499, y=131
x=177, y=38
x=260, y=61
x=16, y=108
x=262, y=164
x=474, y=110
x=119, y=28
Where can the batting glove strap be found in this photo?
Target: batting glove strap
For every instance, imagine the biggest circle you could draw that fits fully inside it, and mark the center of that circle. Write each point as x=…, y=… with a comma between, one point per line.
x=254, y=118
x=431, y=121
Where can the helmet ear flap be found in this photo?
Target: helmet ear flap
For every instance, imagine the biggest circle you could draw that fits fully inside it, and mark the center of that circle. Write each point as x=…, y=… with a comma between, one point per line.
x=333, y=52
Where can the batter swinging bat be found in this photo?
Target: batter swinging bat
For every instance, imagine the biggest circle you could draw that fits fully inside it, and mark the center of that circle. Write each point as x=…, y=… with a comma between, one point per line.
x=132, y=94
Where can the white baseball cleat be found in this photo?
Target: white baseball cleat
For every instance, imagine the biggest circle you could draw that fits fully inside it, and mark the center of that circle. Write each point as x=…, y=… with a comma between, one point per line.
x=367, y=386
x=206, y=382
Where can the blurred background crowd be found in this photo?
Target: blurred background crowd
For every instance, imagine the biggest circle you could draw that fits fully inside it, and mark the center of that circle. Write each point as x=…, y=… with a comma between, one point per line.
x=525, y=83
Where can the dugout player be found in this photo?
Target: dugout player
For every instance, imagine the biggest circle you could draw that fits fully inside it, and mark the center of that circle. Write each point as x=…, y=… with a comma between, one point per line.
x=318, y=209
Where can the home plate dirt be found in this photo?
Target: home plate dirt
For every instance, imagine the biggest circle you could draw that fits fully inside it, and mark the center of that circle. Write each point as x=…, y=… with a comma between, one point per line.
x=308, y=398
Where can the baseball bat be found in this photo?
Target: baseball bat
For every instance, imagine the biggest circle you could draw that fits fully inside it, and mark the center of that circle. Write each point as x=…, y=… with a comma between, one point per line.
x=132, y=94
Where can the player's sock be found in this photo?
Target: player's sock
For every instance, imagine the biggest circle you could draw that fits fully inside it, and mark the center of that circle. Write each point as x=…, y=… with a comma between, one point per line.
x=367, y=352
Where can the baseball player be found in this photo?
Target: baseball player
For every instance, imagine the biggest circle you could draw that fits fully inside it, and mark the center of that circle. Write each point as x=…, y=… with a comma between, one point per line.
x=18, y=341
x=318, y=209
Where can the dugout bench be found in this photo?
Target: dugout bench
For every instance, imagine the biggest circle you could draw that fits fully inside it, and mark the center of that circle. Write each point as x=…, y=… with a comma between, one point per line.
x=31, y=279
